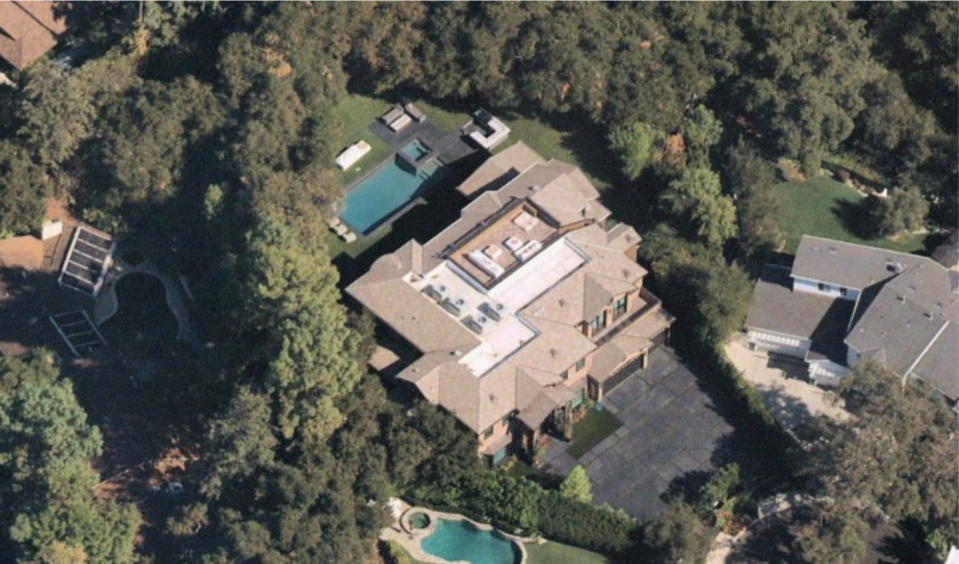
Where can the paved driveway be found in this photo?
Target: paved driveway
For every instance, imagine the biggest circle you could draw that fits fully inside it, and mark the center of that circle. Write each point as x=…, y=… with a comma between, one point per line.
x=669, y=434
x=783, y=388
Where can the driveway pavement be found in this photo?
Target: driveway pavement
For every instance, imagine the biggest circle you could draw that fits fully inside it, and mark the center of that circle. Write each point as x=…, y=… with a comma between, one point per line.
x=669, y=435
x=783, y=387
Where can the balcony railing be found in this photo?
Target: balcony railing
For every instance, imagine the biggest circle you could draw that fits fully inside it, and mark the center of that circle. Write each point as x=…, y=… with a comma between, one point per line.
x=627, y=319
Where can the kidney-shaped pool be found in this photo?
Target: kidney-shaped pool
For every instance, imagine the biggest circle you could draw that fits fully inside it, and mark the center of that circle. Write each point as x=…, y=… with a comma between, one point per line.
x=461, y=540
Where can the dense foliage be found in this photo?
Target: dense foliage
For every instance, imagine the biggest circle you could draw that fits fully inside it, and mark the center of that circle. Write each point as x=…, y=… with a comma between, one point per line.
x=896, y=457
x=51, y=510
x=204, y=131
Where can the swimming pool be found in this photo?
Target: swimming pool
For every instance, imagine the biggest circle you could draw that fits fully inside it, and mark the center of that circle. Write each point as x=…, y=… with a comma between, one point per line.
x=385, y=191
x=462, y=540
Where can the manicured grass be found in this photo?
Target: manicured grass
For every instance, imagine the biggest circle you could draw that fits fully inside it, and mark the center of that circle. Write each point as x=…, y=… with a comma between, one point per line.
x=446, y=120
x=591, y=430
x=825, y=208
x=354, y=115
x=556, y=553
x=561, y=139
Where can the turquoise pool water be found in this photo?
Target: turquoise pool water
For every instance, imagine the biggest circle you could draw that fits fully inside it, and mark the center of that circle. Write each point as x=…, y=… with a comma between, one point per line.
x=461, y=540
x=388, y=189
x=416, y=150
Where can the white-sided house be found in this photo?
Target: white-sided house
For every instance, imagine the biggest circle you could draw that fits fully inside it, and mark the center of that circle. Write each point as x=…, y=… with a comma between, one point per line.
x=843, y=302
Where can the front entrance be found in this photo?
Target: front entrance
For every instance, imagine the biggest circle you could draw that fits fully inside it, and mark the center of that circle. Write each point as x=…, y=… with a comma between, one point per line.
x=500, y=455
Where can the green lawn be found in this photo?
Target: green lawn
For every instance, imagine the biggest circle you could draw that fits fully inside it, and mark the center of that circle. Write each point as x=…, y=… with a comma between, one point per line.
x=556, y=553
x=354, y=115
x=565, y=139
x=591, y=430
x=823, y=207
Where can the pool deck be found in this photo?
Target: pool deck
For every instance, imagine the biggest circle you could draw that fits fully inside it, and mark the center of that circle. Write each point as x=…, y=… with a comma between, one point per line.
x=411, y=539
x=450, y=146
x=446, y=147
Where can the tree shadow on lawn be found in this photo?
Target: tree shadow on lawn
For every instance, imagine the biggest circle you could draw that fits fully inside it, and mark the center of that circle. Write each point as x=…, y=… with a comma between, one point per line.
x=854, y=217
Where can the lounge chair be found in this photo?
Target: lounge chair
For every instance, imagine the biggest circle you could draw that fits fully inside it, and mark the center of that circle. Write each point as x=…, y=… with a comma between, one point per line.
x=415, y=113
x=341, y=230
x=349, y=237
x=392, y=115
x=333, y=222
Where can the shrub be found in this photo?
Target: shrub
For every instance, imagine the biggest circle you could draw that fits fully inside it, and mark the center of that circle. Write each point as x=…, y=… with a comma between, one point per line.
x=394, y=554
x=576, y=486
x=580, y=524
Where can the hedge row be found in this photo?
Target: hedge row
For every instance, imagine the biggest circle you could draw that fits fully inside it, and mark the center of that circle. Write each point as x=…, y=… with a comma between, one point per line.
x=586, y=526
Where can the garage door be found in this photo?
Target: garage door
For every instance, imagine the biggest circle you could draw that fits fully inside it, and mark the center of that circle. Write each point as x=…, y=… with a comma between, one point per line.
x=772, y=343
x=622, y=374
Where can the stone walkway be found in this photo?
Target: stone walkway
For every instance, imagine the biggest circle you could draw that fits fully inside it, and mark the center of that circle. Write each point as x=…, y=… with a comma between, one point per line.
x=669, y=435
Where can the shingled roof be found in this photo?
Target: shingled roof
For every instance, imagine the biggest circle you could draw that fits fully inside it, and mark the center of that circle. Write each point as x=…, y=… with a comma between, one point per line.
x=480, y=378
x=27, y=31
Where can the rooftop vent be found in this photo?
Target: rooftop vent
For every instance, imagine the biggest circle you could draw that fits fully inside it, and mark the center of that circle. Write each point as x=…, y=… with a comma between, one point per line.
x=534, y=188
x=893, y=266
x=901, y=298
x=457, y=353
x=478, y=323
x=495, y=310
x=455, y=305
x=553, y=352
x=833, y=250
x=927, y=315
x=562, y=302
x=438, y=292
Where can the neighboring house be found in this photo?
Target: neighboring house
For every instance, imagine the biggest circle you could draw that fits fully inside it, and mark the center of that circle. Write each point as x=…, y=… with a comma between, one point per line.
x=27, y=31
x=947, y=254
x=522, y=308
x=843, y=302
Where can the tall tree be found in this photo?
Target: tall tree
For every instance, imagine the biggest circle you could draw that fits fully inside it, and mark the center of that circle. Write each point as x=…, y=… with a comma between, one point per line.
x=804, y=76
x=701, y=130
x=50, y=507
x=696, y=196
x=638, y=146
x=750, y=179
x=24, y=187
x=896, y=456
x=292, y=298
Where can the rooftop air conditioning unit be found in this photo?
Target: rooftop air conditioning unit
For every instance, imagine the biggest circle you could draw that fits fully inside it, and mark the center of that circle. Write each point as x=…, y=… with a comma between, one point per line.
x=438, y=292
x=478, y=323
x=495, y=310
x=455, y=305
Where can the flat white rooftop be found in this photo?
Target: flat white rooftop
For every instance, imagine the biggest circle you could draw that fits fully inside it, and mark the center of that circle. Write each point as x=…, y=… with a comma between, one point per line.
x=499, y=338
x=541, y=273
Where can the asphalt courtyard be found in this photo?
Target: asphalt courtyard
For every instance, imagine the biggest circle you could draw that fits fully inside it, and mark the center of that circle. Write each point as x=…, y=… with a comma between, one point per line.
x=670, y=433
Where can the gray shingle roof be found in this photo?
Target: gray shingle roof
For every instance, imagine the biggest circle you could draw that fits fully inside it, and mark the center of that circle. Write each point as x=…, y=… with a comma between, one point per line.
x=809, y=316
x=848, y=264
